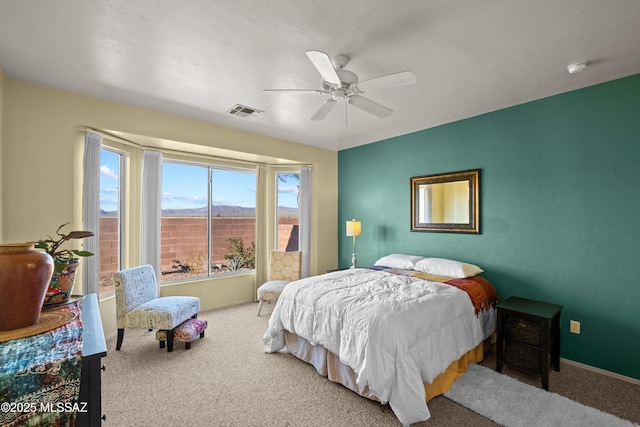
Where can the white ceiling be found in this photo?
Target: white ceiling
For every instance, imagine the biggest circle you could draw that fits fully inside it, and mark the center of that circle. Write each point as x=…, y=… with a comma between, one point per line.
x=199, y=58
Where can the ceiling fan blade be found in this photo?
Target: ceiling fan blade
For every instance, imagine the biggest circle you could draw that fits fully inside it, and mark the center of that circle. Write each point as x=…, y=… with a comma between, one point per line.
x=370, y=107
x=304, y=91
x=323, y=64
x=402, y=78
x=324, y=109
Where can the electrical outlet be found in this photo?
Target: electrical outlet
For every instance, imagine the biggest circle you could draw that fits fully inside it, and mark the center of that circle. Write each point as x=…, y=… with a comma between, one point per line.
x=574, y=327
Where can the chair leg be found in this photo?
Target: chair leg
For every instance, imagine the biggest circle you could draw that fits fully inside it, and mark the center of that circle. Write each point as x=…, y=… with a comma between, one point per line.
x=161, y=344
x=120, y=337
x=260, y=306
x=187, y=345
x=170, y=341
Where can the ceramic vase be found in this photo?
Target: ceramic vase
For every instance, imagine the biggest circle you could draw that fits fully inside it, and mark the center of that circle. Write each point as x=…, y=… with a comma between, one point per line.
x=62, y=282
x=25, y=274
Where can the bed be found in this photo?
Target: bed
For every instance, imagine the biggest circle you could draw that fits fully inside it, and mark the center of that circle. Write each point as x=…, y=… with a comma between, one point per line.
x=399, y=332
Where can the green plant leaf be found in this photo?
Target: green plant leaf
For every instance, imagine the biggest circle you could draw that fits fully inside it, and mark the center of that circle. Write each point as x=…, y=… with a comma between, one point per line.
x=79, y=234
x=81, y=253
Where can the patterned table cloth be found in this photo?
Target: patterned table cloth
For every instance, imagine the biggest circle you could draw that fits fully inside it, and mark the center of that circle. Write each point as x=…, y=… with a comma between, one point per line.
x=40, y=376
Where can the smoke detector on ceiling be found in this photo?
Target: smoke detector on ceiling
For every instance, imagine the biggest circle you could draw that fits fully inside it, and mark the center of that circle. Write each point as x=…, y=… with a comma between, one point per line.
x=577, y=67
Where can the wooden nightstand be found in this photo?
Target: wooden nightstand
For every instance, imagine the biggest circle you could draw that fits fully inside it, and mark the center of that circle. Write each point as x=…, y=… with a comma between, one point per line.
x=529, y=336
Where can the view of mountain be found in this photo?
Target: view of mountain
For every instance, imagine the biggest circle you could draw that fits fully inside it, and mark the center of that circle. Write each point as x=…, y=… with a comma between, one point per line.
x=217, y=211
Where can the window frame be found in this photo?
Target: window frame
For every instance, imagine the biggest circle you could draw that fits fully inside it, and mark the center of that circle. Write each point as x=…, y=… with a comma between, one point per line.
x=210, y=166
x=277, y=203
x=123, y=157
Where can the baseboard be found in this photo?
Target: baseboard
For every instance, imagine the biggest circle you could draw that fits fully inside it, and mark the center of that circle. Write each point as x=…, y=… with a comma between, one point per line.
x=600, y=371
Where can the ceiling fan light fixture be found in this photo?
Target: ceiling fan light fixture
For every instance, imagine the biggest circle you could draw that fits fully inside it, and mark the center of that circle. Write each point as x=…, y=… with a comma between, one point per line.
x=577, y=67
x=339, y=94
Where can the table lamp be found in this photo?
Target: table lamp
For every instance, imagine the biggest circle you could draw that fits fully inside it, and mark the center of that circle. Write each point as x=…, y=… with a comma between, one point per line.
x=354, y=228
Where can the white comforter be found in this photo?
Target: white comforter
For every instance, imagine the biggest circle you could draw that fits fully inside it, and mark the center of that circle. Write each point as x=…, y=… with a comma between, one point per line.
x=396, y=332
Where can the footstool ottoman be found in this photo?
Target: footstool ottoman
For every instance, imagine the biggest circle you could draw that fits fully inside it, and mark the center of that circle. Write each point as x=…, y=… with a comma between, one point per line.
x=186, y=332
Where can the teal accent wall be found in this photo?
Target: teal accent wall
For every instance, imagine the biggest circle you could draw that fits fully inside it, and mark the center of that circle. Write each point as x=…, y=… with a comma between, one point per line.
x=560, y=209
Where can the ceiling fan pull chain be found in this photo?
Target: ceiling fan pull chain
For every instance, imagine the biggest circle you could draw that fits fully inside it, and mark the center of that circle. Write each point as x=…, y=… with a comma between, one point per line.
x=346, y=114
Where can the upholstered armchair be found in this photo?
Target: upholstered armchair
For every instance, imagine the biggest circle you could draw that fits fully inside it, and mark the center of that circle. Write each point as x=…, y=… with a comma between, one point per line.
x=284, y=267
x=138, y=304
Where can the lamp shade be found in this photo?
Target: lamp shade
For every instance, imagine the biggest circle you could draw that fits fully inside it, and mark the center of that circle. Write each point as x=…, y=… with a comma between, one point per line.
x=354, y=228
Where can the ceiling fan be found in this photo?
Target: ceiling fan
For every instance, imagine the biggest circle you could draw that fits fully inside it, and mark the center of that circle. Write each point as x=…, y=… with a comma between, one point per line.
x=341, y=84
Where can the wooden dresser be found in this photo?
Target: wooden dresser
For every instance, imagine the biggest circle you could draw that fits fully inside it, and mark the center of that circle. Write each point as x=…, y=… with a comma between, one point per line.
x=53, y=377
x=94, y=348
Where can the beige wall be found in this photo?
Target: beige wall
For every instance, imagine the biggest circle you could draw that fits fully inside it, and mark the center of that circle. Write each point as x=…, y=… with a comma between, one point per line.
x=42, y=166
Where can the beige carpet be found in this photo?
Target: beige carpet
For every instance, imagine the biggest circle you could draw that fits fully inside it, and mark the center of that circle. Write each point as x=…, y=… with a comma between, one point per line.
x=227, y=379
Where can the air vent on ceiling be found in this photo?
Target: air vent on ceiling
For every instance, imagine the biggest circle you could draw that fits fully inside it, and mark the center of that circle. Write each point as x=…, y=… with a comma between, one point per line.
x=244, y=111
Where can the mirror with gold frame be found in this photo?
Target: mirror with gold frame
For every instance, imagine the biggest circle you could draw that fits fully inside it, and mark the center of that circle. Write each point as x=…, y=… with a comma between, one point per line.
x=448, y=202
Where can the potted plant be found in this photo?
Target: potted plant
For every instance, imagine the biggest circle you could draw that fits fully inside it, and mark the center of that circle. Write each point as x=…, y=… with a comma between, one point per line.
x=65, y=263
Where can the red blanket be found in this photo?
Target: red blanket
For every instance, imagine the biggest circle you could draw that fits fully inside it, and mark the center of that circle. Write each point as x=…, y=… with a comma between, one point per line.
x=479, y=289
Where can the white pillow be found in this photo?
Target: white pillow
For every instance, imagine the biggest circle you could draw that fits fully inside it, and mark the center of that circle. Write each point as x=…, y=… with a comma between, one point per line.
x=399, y=261
x=447, y=267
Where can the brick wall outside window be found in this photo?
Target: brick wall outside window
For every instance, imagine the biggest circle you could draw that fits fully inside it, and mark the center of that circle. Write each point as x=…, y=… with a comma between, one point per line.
x=184, y=238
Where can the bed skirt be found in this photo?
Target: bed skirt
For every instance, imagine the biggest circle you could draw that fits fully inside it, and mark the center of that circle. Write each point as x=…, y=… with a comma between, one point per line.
x=330, y=366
